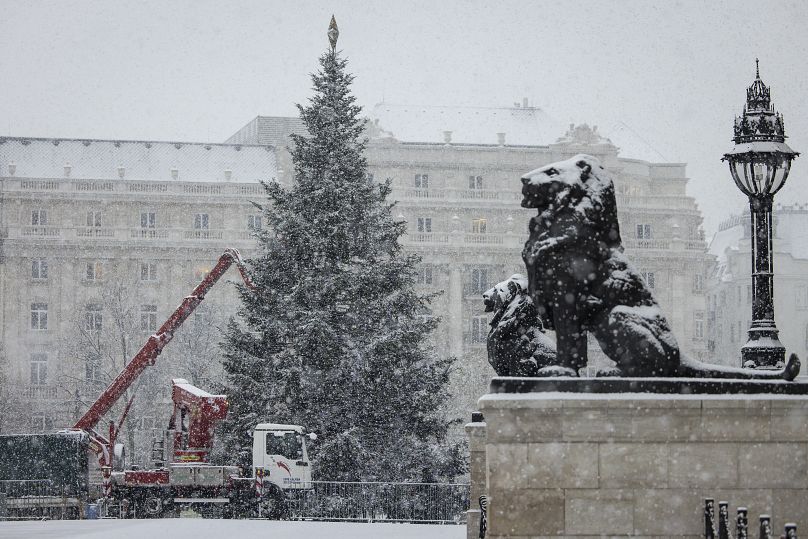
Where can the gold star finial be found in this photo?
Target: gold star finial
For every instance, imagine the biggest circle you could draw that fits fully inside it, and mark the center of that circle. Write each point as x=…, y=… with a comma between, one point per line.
x=333, y=33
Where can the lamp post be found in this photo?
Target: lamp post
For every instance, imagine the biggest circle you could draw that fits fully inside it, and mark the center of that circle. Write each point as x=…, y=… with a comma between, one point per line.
x=759, y=164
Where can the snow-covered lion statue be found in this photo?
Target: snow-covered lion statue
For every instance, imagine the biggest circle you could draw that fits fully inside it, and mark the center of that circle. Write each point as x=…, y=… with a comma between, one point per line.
x=580, y=281
x=517, y=345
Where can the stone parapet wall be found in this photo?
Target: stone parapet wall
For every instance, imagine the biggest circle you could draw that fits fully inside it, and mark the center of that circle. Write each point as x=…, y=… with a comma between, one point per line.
x=477, y=472
x=577, y=465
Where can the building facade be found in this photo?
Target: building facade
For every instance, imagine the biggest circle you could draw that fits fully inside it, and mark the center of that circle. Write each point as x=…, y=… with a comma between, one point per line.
x=102, y=239
x=729, y=288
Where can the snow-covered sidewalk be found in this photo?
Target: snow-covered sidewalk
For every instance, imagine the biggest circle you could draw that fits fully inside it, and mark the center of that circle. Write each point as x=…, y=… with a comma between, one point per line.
x=197, y=528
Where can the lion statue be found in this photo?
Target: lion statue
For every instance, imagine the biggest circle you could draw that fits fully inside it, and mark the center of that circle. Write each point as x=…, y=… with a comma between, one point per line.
x=580, y=281
x=517, y=345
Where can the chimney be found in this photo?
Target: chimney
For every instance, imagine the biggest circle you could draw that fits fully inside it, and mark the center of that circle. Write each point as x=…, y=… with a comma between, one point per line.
x=175, y=173
x=447, y=137
x=121, y=171
x=524, y=102
x=68, y=168
x=12, y=168
x=501, y=139
x=227, y=174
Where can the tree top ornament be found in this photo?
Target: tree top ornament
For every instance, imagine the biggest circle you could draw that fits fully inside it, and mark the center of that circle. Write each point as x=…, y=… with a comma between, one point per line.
x=333, y=33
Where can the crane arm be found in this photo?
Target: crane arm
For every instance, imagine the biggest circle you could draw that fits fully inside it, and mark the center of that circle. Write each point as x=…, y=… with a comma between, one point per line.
x=147, y=355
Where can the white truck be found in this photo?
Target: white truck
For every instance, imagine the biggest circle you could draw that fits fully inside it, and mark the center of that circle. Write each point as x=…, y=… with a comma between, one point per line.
x=281, y=461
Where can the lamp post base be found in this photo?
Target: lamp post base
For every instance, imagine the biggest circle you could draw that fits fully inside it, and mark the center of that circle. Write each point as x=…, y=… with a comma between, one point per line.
x=763, y=349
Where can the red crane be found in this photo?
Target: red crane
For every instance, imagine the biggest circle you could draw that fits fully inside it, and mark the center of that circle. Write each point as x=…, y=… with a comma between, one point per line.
x=146, y=356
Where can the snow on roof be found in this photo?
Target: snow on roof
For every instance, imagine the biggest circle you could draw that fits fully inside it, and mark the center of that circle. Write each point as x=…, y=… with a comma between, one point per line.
x=724, y=239
x=192, y=389
x=273, y=130
x=278, y=426
x=522, y=125
x=136, y=160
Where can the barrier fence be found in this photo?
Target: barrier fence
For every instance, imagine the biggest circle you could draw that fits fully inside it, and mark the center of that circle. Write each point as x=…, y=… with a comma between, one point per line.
x=381, y=502
x=35, y=499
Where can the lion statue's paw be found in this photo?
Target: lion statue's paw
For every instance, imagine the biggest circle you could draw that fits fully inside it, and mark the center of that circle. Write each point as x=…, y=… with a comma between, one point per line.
x=556, y=370
x=609, y=372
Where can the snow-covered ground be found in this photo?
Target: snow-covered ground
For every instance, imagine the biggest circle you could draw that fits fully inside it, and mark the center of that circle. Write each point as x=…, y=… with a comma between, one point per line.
x=197, y=528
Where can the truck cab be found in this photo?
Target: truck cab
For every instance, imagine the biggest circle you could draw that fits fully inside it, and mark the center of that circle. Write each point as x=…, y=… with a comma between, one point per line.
x=281, y=451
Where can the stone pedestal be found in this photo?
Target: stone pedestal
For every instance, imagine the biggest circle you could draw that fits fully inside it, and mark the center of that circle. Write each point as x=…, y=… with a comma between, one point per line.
x=576, y=465
x=476, y=435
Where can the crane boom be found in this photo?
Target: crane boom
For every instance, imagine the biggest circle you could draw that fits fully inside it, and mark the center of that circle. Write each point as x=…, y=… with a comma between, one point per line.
x=147, y=355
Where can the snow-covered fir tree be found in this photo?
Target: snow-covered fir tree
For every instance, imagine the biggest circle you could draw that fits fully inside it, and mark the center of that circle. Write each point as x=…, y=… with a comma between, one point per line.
x=333, y=339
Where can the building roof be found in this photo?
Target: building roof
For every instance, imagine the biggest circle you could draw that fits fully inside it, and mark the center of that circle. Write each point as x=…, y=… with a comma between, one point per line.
x=135, y=160
x=272, y=130
x=790, y=222
x=522, y=125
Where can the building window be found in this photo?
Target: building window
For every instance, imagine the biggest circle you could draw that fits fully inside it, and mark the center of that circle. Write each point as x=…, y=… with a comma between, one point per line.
x=425, y=274
x=148, y=271
x=644, y=232
x=422, y=181
x=649, y=278
x=698, y=325
x=39, y=316
x=201, y=221
x=148, y=317
x=801, y=298
x=479, y=329
x=39, y=369
x=39, y=217
x=148, y=219
x=478, y=226
x=94, y=270
x=425, y=224
x=749, y=294
x=39, y=268
x=731, y=332
x=93, y=218
x=92, y=370
x=201, y=318
x=475, y=182
x=93, y=319
x=479, y=280
x=40, y=422
x=698, y=283
x=254, y=222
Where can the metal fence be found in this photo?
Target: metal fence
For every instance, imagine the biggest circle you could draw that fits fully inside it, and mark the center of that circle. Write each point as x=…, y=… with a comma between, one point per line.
x=35, y=499
x=382, y=502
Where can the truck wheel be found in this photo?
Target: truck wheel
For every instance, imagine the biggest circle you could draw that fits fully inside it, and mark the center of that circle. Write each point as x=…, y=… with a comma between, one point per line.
x=170, y=509
x=273, y=505
x=153, y=507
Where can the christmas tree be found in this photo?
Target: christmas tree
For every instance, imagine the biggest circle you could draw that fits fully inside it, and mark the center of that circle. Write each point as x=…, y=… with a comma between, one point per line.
x=333, y=339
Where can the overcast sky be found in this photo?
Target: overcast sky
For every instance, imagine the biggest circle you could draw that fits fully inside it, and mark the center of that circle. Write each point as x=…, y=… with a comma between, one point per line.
x=675, y=72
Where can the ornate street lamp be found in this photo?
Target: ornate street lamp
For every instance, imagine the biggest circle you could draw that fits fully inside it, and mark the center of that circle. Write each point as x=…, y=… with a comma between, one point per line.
x=759, y=163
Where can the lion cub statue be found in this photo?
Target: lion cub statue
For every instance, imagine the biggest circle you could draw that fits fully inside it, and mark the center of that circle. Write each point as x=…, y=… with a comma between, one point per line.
x=580, y=281
x=517, y=345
